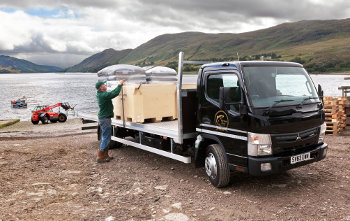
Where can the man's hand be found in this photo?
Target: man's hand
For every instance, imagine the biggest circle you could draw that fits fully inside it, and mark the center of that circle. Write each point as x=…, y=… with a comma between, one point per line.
x=121, y=82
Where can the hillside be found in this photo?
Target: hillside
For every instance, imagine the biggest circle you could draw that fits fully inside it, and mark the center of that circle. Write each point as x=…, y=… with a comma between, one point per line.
x=14, y=65
x=99, y=61
x=319, y=45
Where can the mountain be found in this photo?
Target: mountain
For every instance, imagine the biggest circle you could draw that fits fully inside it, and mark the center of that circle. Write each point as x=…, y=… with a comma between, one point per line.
x=13, y=65
x=321, y=45
x=99, y=61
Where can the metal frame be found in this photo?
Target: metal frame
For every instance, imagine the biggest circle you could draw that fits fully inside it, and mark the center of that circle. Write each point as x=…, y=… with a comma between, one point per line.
x=179, y=98
x=154, y=150
x=180, y=136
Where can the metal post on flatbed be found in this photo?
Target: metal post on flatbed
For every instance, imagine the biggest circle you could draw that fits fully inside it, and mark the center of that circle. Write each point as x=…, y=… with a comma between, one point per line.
x=179, y=98
x=172, y=145
x=123, y=107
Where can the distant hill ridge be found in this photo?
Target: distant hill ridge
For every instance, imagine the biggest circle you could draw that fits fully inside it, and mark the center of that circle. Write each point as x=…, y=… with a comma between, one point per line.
x=320, y=45
x=13, y=65
x=100, y=60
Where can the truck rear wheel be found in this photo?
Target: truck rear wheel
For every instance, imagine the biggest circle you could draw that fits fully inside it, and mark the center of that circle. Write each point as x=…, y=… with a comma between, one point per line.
x=216, y=166
x=62, y=117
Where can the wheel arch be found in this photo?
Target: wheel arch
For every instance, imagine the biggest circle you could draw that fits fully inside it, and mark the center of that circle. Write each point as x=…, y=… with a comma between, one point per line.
x=200, y=153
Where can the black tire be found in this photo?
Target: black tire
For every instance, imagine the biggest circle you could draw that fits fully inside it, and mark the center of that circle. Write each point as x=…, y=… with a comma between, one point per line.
x=216, y=166
x=117, y=133
x=44, y=119
x=35, y=122
x=99, y=133
x=62, y=117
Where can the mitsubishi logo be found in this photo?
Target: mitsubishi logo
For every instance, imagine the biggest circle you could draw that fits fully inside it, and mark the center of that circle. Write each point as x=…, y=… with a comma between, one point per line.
x=298, y=138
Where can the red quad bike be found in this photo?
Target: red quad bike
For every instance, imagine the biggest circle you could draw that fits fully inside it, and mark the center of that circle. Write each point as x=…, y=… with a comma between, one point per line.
x=46, y=114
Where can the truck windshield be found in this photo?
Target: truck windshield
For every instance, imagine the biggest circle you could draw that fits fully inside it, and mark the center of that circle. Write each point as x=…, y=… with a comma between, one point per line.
x=270, y=86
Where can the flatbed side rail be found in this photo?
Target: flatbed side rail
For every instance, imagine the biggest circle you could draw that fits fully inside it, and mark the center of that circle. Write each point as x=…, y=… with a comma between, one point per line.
x=179, y=92
x=171, y=155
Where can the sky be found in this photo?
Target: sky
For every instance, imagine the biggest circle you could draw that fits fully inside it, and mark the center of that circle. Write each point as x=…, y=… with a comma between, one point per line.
x=64, y=32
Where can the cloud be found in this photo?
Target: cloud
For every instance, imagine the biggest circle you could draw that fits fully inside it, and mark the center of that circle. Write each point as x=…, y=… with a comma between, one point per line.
x=50, y=31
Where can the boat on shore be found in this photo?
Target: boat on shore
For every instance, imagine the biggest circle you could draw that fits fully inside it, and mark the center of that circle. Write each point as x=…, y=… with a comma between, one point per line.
x=19, y=103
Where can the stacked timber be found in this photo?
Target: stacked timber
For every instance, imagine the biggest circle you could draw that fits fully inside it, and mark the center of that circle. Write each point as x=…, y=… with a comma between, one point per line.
x=335, y=114
x=346, y=102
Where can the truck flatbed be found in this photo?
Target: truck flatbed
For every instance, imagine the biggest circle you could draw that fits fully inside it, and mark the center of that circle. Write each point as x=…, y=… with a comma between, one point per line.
x=166, y=128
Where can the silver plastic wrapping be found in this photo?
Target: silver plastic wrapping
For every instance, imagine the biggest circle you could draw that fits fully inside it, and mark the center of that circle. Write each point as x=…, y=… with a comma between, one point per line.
x=161, y=74
x=131, y=73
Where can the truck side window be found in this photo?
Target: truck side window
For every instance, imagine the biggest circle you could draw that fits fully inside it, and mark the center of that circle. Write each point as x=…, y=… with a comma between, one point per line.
x=215, y=81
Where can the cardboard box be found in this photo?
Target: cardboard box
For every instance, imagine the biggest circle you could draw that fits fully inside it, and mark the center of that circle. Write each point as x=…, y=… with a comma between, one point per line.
x=146, y=102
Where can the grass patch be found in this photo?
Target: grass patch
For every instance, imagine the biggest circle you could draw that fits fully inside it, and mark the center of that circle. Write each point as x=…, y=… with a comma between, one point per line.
x=10, y=122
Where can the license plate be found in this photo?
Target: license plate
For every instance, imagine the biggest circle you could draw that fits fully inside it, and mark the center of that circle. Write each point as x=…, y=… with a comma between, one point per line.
x=299, y=158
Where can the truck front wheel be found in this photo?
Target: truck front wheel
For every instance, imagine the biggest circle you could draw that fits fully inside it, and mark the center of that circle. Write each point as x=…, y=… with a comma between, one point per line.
x=216, y=166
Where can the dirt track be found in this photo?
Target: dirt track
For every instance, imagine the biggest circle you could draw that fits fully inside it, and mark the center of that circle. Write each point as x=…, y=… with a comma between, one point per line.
x=48, y=172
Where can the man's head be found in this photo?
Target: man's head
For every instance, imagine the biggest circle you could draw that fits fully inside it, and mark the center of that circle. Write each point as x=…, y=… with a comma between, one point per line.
x=101, y=86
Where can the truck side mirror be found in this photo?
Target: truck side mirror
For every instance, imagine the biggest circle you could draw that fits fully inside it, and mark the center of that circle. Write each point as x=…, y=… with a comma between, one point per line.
x=229, y=95
x=320, y=92
x=243, y=109
x=221, y=98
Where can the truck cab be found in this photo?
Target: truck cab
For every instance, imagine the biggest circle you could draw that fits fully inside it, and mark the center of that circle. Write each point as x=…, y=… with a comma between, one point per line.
x=257, y=117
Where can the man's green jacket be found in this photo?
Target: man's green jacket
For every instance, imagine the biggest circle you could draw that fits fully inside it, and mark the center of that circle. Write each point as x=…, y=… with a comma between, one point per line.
x=104, y=100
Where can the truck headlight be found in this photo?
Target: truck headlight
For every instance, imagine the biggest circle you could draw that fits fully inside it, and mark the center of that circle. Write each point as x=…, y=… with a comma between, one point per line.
x=259, y=144
x=322, y=133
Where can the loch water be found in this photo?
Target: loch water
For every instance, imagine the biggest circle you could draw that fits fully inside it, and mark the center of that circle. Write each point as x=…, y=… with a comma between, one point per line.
x=78, y=89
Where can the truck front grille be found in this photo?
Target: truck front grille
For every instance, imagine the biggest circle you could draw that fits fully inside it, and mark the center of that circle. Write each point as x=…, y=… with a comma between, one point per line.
x=294, y=143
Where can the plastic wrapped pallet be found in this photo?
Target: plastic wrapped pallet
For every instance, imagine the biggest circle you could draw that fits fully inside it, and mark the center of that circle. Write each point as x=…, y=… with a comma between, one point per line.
x=160, y=74
x=131, y=73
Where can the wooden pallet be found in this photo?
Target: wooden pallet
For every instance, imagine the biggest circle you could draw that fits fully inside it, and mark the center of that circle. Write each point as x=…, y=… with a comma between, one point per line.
x=147, y=120
x=335, y=114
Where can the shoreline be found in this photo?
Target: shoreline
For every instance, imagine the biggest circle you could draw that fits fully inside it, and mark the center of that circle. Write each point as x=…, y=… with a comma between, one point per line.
x=329, y=73
x=9, y=122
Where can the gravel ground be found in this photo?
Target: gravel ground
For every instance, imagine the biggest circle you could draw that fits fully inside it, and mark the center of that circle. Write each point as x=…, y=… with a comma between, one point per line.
x=48, y=172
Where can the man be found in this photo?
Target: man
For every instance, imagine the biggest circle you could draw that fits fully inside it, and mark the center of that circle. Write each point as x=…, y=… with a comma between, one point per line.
x=105, y=114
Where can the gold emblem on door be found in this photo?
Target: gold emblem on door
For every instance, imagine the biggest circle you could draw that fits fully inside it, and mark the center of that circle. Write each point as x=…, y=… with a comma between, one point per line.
x=221, y=119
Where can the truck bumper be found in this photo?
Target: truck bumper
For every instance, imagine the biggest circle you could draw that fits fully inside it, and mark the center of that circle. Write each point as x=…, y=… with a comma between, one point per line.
x=279, y=164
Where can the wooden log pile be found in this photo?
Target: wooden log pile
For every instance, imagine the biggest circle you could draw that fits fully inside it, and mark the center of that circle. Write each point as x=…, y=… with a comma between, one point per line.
x=335, y=114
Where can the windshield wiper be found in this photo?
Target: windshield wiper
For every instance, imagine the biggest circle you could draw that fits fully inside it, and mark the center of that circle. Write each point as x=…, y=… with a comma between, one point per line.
x=267, y=112
x=280, y=101
x=307, y=98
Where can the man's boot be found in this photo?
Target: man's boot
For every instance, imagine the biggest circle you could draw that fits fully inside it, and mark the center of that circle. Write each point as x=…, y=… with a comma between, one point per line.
x=101, y=156
x=107, y=156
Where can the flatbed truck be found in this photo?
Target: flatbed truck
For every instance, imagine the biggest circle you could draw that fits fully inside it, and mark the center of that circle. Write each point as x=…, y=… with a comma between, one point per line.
x=253, y=117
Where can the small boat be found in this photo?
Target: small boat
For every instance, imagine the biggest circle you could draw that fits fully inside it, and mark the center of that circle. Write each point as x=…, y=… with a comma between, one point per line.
x=19, y=103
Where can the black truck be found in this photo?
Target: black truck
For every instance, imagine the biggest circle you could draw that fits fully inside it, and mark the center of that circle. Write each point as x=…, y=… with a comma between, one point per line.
x=254, y=117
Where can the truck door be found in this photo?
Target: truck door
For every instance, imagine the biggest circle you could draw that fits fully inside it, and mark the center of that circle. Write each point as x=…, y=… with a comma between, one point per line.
x=212, y=82
x=226, y=125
